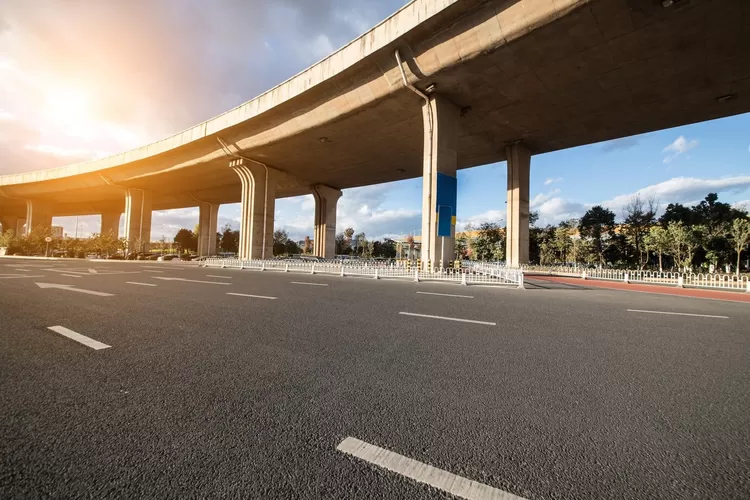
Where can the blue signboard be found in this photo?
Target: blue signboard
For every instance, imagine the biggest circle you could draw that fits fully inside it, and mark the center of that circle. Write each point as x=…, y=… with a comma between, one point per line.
x=447, y=190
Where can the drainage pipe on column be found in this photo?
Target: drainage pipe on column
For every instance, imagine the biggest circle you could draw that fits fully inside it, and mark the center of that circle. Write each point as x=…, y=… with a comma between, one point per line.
x=429, y=152
x=265, y=197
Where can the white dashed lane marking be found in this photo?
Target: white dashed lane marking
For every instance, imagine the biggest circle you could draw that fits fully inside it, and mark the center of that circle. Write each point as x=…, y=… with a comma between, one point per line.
x=423, y=473
x=308, y=283
x=447, y=295
x=446, y=318
x=252, y=296
x=94, y=344
x=677, y=314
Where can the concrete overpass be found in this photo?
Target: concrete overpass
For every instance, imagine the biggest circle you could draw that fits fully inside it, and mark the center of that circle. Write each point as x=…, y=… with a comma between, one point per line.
x=439, y=86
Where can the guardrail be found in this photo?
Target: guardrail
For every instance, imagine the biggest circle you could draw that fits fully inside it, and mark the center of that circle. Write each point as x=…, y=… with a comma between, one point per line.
x=701, y=280
x=477, y=274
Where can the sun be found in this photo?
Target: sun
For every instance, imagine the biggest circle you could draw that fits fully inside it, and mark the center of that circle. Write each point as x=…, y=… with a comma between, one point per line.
x=68, y=105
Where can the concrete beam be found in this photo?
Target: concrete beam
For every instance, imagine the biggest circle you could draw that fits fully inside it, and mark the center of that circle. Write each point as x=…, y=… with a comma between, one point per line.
x=207, y=225
x=441, y=130
x=138, y=219
x=517, y=226
x=326, y=199
x=257, y=208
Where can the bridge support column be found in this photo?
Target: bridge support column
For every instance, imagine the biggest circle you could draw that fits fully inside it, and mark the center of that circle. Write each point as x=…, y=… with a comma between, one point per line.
x=439, y=185
x=517, y=218
x=111, y=223
x=207, y=223
x=38, y=215
x=326, y=199
x=14, y=224
x=138, y=219
x=257, y=208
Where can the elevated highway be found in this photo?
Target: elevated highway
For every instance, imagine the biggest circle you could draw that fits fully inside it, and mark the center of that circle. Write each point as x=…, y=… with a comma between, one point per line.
x=439, y=86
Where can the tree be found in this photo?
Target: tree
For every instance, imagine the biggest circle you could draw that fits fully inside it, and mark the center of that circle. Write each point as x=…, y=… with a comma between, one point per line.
x=342, y=247
x=186, y=240
x=562, y=242
x=348, y=235
x=461, y=246
x=308, y=245
x=676, y=212
x=639, y=215
x=230, y=240
x=684, y=240
x=490, y=236
x=658, y=240
x=597, y=224
x=360, y=241
x=280, y=239
x=741, y=235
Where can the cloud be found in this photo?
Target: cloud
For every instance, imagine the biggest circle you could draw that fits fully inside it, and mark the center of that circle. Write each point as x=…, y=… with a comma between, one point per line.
x=488, y=216
x=682, y=190
x=620, y=144
x=366, y=209
x=678, y=147
x=551, y=180
x=164, y=80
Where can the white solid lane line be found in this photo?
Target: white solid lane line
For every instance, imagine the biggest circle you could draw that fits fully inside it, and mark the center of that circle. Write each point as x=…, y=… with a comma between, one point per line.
x=677, y=314
x=448, y=295
x=423, y=473
x=308, y=283
x=71, y=275
x=253, y=296
x=142, y=284
x=217, y=276
x=449, y=319
x=94, y=344
x=13, y=276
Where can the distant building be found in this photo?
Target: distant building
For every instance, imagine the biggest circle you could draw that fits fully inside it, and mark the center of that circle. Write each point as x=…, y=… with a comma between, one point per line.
x=57, y=232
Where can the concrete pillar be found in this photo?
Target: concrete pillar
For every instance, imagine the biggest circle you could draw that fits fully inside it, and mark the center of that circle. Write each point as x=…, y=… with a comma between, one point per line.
x=137, y=219
x=439, y=188
x=207, y=222
x=257, y=208
x=14, y=224
x=38, y=215
x=111, y=223
x=517, y=225
x=326, y=199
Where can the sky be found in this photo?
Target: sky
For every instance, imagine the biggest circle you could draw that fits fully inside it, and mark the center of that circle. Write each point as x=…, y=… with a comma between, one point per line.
x=83, y=80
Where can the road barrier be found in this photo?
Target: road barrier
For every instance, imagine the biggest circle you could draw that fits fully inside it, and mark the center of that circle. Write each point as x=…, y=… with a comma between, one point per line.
x=699, y=280
x=474, y=275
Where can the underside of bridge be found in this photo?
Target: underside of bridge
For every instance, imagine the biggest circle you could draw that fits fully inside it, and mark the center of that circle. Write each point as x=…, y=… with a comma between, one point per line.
x=518, y=72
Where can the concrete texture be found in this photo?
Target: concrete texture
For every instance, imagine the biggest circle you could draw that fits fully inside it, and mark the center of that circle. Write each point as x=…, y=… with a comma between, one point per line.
x=441, y=126
x=138, y=214
x=326, y=199
x=258, y=206
x=207, y=395
x=517, y=214
x=207, y=227
x=517, y=69
x=111, y=223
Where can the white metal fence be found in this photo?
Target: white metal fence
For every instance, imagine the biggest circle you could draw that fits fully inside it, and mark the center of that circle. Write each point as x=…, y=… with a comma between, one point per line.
x=483, y=274
x=704, y=280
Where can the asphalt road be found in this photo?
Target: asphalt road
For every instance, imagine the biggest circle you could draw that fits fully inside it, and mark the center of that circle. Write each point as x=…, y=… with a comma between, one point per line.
x=569, y=395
